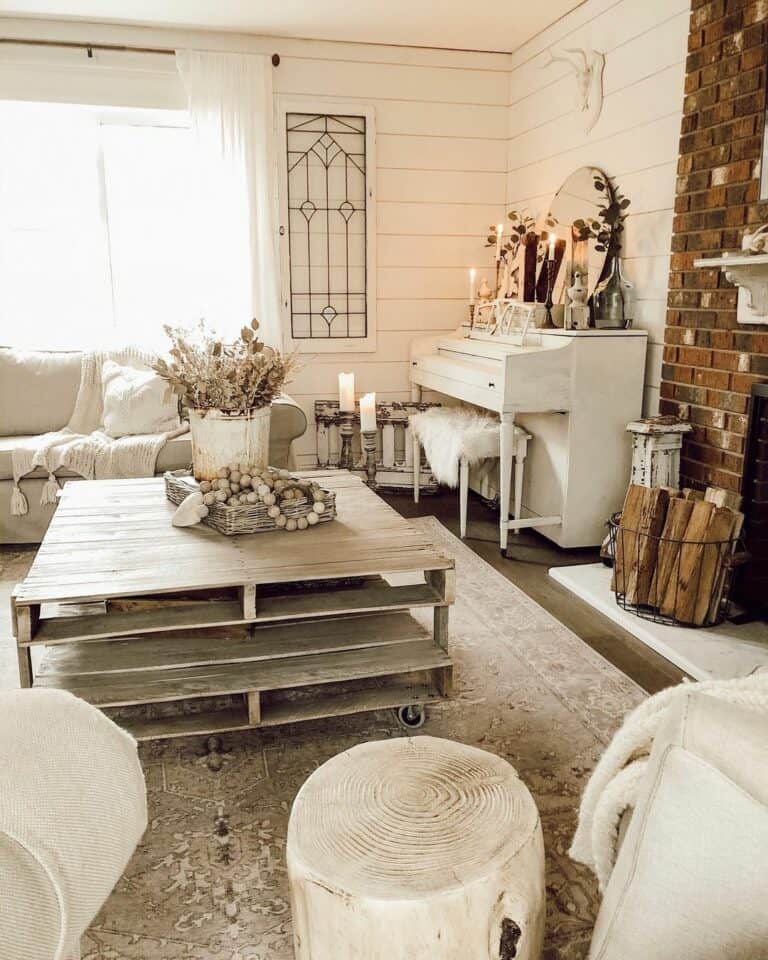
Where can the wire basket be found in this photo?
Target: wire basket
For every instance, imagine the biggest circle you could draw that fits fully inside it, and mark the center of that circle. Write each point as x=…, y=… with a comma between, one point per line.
x=685, y=583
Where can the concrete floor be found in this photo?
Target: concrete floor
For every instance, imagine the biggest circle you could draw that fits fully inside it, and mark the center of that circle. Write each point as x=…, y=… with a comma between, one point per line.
x=530, y=556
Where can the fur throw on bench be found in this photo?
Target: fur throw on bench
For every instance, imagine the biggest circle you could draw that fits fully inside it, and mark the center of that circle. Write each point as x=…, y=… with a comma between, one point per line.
x=451, y=434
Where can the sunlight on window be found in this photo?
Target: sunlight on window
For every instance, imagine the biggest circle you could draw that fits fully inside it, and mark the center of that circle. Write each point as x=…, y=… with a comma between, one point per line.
x=54, y=277
x=95, y=227
x=151, y=227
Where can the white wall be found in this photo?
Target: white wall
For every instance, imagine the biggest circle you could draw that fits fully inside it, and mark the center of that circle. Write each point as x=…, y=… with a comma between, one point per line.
x=458, y=133
x=441, y=120
x=441, y=156
x=635, y=141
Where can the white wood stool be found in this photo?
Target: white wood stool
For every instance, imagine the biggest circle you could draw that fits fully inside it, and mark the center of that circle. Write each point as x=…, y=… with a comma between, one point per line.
x=473, y=438
x=416, y=849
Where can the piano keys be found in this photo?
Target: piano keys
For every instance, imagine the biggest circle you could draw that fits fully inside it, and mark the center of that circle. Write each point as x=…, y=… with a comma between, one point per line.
x=575, y=391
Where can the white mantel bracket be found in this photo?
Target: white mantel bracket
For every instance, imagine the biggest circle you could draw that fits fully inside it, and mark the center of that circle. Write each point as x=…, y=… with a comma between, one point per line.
x=749, y=272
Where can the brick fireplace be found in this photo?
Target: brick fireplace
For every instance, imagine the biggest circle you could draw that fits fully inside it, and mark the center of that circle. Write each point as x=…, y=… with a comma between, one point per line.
x=710, y=361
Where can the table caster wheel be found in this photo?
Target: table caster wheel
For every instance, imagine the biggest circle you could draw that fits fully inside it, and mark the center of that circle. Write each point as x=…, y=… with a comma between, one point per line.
x=411, y=716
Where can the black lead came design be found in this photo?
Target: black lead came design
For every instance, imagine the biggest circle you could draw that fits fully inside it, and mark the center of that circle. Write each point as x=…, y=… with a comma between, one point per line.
x=327, y=225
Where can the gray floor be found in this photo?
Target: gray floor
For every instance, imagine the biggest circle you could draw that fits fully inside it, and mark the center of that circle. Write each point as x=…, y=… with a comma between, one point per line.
x=530, y=556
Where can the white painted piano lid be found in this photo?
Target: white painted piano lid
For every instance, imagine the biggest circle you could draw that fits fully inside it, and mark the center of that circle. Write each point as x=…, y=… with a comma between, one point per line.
x=556, y=332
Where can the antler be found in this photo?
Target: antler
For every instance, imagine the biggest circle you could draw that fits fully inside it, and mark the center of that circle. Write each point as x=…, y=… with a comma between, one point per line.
x=570, y=60
x=582, y=54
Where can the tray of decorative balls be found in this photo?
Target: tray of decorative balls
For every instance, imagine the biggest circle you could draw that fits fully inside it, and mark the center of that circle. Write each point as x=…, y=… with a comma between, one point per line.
x=248, y=499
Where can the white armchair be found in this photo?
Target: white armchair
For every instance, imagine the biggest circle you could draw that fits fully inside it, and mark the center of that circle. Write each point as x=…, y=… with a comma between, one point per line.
x=691, y=880
x=72, y=810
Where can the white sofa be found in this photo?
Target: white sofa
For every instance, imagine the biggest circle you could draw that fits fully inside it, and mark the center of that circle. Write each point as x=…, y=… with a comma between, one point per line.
x=691, y=879
x=37, y=394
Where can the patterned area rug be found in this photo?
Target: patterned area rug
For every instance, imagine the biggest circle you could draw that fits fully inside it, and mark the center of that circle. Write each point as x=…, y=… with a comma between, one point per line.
x=209, y=881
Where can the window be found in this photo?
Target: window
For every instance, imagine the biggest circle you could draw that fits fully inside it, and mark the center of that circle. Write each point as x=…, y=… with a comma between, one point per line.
x=328, y=226
x=95, y=225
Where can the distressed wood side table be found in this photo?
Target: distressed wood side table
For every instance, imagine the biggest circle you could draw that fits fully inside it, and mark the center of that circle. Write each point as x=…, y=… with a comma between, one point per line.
x=284, y=626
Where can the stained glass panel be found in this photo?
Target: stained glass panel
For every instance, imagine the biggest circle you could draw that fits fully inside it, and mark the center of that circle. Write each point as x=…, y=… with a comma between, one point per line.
x=327, y=225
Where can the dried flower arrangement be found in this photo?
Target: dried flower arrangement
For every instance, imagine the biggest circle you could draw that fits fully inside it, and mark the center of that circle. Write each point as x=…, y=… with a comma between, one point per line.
x=238, y=377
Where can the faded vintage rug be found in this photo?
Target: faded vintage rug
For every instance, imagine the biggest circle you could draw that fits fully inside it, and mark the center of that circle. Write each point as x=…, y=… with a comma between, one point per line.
x=209, y=883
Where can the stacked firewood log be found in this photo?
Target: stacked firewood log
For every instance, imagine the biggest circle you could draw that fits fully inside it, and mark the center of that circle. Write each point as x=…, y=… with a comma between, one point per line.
x=674, y=550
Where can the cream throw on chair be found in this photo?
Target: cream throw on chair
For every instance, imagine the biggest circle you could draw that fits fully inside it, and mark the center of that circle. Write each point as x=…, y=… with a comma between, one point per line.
x=72, y=810
x=82, y=446
x=691, y=879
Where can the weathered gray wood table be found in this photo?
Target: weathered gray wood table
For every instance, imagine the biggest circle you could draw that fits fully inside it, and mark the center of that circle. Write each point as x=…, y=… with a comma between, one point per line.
x=297, y=625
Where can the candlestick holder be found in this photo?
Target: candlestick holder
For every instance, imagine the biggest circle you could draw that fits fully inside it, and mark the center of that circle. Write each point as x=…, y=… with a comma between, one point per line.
x=346, y=430
x=471, y=316
x=548, y=303
x=369, y=451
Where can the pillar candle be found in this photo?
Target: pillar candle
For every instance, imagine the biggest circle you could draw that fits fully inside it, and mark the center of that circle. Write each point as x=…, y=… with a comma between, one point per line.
x=552, y=242
x=472, y=274
x=499, y=232
x=368, y=412
x=347, y=392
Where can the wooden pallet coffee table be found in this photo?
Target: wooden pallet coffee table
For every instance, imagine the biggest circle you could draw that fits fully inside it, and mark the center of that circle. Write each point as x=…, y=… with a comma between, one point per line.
x=296, y=625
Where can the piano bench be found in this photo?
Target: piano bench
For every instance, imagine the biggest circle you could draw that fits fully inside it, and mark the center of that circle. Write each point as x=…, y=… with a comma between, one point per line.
x=454, y=439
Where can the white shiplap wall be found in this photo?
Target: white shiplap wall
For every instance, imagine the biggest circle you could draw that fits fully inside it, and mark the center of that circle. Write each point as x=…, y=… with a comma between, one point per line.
x=635, y=141
x=441, y=178
x=441, y=122
x=458, y=134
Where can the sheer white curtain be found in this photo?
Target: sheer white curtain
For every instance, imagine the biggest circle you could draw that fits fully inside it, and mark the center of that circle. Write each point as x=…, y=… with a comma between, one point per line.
x=237, y=268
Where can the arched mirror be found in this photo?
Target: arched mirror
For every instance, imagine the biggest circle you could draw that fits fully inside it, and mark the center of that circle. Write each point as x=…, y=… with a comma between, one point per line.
x=575, y=215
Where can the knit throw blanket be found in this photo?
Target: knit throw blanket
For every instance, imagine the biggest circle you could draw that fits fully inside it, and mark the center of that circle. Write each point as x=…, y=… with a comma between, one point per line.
x=82, y=446
x=617, y=779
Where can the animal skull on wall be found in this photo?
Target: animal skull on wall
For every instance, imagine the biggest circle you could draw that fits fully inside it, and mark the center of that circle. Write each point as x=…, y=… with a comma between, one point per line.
x=587, y=65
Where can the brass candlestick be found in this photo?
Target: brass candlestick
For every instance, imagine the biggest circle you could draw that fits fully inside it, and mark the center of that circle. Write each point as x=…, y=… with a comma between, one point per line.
x=369, y=450
x=345, y=432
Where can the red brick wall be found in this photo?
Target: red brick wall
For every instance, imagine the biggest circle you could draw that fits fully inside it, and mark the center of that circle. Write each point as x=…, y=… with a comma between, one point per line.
x=711, y=361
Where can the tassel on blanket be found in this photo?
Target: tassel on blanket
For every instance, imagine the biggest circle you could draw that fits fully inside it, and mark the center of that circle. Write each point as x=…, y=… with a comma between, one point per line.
x=19, y=505
x=50, y=490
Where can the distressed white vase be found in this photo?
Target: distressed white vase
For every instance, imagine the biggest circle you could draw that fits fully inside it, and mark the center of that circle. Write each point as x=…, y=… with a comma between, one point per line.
x=220, y=438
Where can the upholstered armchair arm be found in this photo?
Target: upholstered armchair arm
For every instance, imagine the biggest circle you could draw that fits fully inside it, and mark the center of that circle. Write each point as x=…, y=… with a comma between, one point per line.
x=289, y=422
x=690, y=877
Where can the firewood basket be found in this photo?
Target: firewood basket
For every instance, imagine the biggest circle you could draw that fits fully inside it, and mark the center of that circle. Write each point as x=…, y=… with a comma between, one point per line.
x=679, y=582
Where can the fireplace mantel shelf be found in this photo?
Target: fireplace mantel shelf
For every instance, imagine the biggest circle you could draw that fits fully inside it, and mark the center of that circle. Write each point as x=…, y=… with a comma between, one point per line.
x=749, y=272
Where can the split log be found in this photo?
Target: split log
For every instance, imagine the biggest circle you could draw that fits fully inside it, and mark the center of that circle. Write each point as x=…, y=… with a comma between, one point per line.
x=642, y=561
x=720, y=580
x=680, y=596
x=626, y=539
x=723, y=498
x=690, y=494
x=415, y=849
x=714, y=556
x=678, y=515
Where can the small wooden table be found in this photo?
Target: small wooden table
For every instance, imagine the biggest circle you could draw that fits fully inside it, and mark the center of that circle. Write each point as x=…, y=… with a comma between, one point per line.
x=298, y=625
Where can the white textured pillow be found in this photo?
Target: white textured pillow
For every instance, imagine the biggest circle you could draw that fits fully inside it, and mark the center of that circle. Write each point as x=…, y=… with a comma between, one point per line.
x=136, y=401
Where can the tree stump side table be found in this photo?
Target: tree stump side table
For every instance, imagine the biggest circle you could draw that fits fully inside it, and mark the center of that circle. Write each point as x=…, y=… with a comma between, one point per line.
x=416, y=849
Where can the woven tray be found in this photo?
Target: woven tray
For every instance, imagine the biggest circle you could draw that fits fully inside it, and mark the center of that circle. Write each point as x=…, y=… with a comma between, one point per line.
x=247, y=518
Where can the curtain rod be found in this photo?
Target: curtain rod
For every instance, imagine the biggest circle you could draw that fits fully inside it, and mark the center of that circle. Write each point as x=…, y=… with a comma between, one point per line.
x=90, y=47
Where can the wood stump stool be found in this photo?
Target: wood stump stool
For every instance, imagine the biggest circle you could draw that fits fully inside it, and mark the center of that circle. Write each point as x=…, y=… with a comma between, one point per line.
x=416, y=849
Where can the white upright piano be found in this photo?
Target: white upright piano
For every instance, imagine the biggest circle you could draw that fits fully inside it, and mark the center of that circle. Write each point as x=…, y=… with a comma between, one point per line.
x=575, y=391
